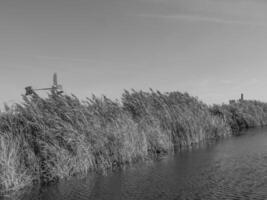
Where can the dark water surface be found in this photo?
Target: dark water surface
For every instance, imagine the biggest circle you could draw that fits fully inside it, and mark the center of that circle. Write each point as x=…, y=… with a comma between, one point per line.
x=232, y=168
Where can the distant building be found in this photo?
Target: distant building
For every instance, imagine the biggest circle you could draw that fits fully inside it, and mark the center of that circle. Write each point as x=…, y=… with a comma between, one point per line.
x=231, y=101
x=242, y=97
x=239, y=100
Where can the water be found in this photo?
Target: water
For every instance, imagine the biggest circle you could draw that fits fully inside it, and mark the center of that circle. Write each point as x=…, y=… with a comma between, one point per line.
x=233, y=168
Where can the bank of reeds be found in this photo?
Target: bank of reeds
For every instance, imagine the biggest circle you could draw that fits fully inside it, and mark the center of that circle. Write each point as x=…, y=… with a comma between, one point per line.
x=180, y=118
x=43, y=140
x=242, y=114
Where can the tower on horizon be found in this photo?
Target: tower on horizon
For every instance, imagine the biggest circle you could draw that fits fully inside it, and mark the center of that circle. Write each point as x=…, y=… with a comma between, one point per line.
x=241, y=97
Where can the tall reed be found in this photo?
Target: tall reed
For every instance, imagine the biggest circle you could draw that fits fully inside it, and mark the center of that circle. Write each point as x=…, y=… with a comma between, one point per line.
x=43, y=140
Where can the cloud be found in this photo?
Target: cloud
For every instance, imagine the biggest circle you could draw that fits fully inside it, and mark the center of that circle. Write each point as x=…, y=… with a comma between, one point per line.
x=189, y=17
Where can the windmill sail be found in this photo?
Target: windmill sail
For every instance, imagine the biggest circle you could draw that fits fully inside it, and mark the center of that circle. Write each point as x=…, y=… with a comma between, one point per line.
x=55, y=79
x=55, y=88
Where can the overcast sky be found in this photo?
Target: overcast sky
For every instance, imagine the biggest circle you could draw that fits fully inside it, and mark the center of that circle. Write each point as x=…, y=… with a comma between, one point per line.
x=213, y=49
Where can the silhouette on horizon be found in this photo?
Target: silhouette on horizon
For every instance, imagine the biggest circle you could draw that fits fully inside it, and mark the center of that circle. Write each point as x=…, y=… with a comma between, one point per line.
x=55, y=88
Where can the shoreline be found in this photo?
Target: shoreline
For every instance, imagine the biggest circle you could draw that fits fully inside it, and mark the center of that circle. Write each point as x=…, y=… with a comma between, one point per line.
x=44, y=140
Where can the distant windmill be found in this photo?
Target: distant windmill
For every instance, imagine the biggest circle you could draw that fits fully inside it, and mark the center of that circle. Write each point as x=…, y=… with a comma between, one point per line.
x=55, y=88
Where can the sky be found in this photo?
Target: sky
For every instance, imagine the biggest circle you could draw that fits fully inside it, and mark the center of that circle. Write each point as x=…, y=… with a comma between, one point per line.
x=212, y=49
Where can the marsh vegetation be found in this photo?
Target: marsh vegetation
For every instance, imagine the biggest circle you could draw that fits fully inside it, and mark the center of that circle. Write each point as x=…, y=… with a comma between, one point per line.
x=43, y=140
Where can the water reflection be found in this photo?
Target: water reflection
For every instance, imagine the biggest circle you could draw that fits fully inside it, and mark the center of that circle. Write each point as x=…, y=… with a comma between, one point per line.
x=233, y=168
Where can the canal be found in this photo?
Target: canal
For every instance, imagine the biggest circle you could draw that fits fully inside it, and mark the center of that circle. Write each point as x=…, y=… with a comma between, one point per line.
x=231, y=168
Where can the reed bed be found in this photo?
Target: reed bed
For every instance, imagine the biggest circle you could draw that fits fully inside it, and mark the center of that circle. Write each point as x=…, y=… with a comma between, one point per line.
x=43, y=140
x=242, y=114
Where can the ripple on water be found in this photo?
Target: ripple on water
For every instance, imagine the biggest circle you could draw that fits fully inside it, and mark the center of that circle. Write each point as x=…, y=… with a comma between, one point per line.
x=235, y=168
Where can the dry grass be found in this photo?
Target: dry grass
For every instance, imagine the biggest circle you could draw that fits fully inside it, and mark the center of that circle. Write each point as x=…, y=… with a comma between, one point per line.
x=14, y=172
x=43, y=140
